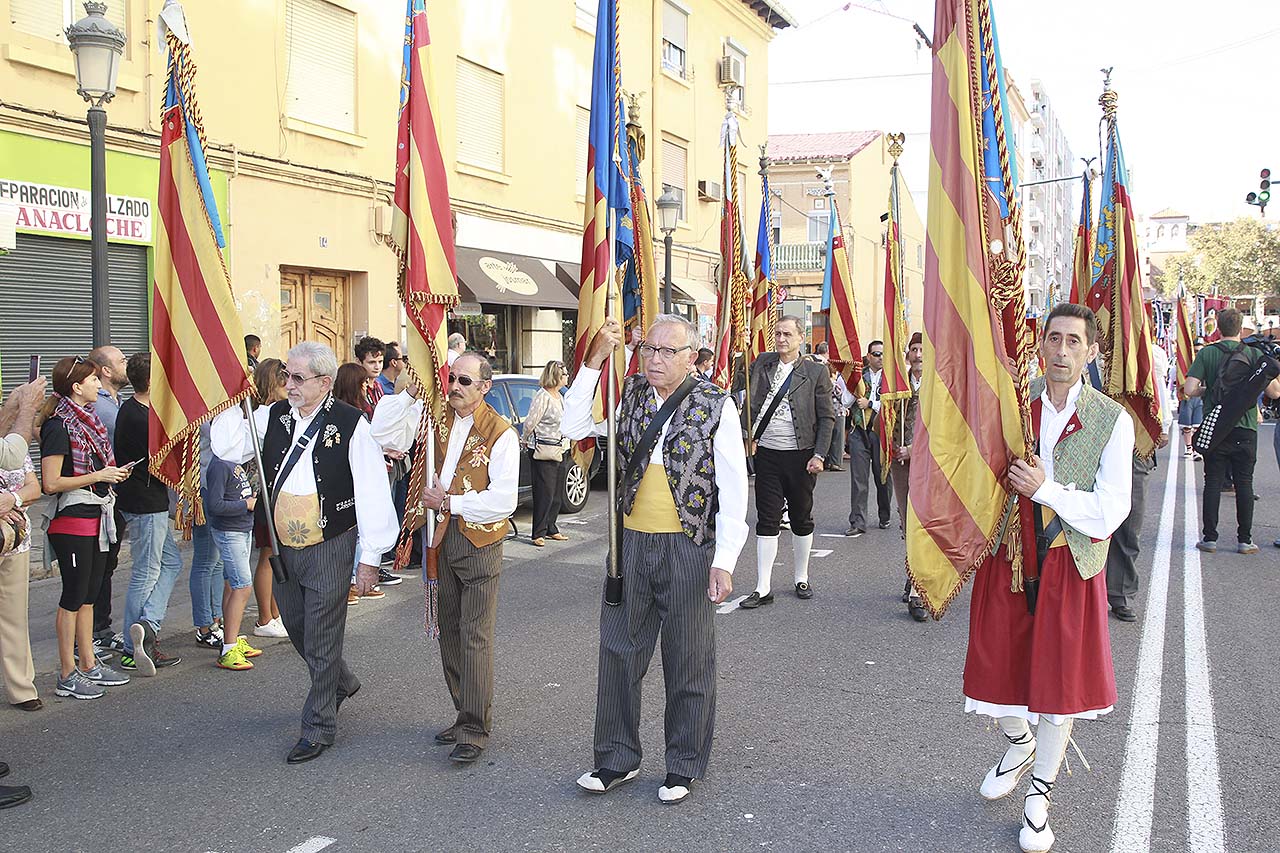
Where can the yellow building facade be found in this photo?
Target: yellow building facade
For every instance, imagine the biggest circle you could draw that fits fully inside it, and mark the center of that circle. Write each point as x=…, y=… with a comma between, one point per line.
x=860, y=165
x=299, y=99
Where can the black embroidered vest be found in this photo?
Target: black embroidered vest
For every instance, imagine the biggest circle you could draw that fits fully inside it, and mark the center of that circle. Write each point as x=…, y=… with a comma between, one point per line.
x=330, y=462
x=687, y=452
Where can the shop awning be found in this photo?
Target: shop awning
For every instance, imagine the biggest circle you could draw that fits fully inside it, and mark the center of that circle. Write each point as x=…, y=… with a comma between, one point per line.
x=502, y=279
x=571, y=275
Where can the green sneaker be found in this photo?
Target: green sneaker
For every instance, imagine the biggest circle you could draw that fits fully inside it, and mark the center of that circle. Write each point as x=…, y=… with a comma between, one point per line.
x=242, y=645
x=234, y=659
x=127, y=662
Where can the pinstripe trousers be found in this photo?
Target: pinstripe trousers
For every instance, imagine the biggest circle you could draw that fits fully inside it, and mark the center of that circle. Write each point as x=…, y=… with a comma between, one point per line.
x=468, y=611
x=313, y=606
x=665, y=593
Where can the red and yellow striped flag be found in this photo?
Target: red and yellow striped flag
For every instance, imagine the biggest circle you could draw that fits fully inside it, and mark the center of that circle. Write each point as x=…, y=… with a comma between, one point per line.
x=844, y=348
x=972, y=405
x=197, y=361
x=763, y=313
x=1185, y=342
x=1082, y=266
x=733, y=300
x=895, y=386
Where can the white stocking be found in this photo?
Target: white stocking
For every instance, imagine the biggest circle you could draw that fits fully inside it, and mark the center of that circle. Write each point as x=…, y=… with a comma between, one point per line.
x=800, y=548
x=766, y=553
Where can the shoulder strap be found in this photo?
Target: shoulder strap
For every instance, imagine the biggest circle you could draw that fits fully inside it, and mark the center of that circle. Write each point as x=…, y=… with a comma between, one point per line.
x=773, y=407
x=296, y=454
x=644, y=446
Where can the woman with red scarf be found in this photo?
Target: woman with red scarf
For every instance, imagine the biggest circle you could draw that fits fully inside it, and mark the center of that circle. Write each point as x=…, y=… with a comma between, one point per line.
x=79, y=466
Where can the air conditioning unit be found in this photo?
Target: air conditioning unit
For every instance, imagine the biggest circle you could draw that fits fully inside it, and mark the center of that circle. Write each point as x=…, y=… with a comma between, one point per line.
x=710, y=191
x=731, y=71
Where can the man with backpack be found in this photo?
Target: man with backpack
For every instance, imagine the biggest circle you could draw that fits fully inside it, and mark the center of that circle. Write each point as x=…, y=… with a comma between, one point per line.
x=1228, y=373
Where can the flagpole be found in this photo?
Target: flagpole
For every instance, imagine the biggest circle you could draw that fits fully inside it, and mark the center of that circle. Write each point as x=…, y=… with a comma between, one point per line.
x=613, y=580
x=277, y=564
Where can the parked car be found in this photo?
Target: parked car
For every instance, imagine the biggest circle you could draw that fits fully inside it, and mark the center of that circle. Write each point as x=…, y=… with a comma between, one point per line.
x=511, y=396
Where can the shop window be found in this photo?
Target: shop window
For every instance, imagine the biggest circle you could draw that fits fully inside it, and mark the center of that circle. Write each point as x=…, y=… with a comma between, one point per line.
x=675, y=172
x=49, y=18
x=320, y=85
x=481, y=117
x=675, y=38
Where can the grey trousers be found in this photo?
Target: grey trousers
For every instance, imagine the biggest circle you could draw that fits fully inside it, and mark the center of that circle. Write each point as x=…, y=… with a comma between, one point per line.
x=665, y=592
x=1122, y=556
x=313, y=607
x=864, y=471
x=468, y=611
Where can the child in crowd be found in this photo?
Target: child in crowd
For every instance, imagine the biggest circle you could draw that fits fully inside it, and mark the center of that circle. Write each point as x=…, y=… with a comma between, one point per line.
x=229, y=503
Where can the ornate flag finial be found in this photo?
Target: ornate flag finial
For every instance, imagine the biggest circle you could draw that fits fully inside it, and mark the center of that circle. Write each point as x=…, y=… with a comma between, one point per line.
x=896, y=141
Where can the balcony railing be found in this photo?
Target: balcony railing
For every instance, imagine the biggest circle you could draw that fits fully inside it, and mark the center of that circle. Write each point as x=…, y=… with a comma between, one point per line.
x=794, y=257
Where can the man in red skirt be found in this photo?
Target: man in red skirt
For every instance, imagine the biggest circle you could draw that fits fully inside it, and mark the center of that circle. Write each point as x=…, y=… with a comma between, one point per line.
x=1052, y=667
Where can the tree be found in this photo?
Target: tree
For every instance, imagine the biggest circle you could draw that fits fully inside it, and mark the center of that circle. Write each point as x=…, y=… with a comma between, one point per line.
x=1236, y=257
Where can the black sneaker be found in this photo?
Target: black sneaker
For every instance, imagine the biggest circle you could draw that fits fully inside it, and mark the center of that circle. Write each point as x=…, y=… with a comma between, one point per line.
x=385, y=578
x=162, y=660
x=209, y=639
x=804, y=591
x=128, y=663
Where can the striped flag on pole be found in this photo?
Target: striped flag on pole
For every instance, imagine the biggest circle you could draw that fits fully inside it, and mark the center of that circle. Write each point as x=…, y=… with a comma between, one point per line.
x=641, y=303
x=895, y=386
x=733, y=299
x=763, y=312
x=1082, y=268
x=197, y=356
x=974, y=416
x=844, y=348
x=1116, y=297
x=1185, y=343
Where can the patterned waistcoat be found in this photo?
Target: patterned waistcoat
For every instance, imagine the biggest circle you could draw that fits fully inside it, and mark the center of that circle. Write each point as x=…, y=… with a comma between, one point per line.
x=1076, y=457
x=687, y=451
x=487, y=426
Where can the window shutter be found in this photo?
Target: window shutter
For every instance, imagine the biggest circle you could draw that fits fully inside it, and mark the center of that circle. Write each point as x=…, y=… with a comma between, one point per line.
x=321, y=85
x=675, y=25
x=43, y=18
x=585, y=14
x=117, y=13
x=583, y=144
x=481, y=117
x=674, y=167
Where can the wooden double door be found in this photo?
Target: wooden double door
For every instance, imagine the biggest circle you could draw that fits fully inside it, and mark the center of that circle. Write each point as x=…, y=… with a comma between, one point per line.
x=313, y=307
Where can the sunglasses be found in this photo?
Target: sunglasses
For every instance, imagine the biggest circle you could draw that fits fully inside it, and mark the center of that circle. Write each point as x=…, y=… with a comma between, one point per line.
x=296, y=378
x=462, y=379
x=876, y=354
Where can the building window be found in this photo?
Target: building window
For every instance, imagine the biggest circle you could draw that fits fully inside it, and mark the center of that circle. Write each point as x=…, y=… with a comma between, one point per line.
x=320, y=83
x=48, y=18
x=481, y=117
x=819, y=226
x=582, y=141
x=675, y=38
x=585, y=14
x=675, y=172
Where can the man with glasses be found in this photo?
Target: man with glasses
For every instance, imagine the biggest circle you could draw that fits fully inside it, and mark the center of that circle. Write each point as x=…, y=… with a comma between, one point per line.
x=864, y=448
x=325, y=476
x=477, y=479
x=683, y=506
x=393, y=364
x=791, y=420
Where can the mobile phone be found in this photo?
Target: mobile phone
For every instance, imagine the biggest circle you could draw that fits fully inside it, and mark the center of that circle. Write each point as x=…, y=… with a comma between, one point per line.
x=33, y=371
x=128, y=466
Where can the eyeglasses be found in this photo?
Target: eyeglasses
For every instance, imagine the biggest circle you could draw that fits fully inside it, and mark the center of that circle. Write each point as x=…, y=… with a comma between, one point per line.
x=877, y=354
x=667, y=353
x=296, y=378
x=462, y=379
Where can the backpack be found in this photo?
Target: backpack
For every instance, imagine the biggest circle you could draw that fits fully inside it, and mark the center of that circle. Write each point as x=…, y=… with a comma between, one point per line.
x=1241, y=378
x=1231, y=373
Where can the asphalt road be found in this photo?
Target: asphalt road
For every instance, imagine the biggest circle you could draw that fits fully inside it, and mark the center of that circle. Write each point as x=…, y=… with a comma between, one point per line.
x=839, y=725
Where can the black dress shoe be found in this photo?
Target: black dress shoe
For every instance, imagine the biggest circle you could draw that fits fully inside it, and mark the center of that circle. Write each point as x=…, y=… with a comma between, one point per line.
x=755, y=599
x=854, y=532
x=1125, y=614
x=915, y=606
x=446, y=737
x=305, y=750
x=884, y=525
x=803, y=590
x=465, y=753
x=11, y=796
x=342, y=697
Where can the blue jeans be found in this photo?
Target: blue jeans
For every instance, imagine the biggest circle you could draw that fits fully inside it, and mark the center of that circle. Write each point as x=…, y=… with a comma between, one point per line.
x=206, y=577
x=234, y=547
x=156, y=566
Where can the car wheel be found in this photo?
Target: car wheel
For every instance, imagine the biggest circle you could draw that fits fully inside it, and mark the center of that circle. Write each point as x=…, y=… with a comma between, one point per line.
x=574, y=489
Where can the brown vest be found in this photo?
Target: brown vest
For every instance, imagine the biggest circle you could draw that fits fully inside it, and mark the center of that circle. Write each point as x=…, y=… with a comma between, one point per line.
x=473, y=469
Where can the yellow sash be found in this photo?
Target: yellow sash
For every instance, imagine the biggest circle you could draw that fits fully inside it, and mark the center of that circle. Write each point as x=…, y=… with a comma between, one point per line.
x=298, y=520
x=655, y=509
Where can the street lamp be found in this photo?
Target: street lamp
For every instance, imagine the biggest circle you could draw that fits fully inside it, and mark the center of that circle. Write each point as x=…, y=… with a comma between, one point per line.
x=97, y=46
x=668, y=211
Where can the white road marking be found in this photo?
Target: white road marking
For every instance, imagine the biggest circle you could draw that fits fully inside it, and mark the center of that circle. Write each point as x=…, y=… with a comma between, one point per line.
x=730, y=606
x=313, y=845
x=820, y=552
x=833, y=536
x=1132, y=829
x=1204, y=791
x=563, y=520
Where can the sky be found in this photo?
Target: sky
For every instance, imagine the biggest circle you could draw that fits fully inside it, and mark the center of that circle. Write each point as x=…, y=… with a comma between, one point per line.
x=1198, y=109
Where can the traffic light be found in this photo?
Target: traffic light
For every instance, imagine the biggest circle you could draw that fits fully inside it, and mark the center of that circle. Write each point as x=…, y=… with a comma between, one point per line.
x=1263, y=195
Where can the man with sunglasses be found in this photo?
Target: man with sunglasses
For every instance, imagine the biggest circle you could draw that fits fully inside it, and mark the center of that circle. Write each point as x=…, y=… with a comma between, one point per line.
x=393, y=364
x=864, y=449
x=477, y=479
x=325, y=476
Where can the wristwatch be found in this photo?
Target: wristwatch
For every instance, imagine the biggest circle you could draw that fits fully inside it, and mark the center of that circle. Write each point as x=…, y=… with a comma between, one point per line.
x=17, y=500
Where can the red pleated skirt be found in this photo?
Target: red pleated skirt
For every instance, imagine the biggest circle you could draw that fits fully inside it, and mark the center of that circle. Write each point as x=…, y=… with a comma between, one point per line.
x=1056, y=662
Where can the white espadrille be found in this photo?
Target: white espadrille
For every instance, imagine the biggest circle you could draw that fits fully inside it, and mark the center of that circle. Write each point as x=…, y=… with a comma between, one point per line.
x=593, y=783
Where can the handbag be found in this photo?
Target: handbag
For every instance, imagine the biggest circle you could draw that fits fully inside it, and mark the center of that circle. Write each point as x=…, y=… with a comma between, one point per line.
x=546, y=450
x=12, y=536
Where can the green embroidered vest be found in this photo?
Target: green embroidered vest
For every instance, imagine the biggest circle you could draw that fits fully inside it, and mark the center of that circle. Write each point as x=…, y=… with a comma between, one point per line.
x=1075, y=460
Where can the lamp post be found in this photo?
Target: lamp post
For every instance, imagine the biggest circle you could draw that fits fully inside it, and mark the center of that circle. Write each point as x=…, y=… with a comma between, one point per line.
x=668, y=211
x=97, y=45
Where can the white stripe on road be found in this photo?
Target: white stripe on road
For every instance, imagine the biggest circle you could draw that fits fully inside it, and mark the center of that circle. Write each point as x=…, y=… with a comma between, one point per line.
x=1132, y=829
x=730, y=606
x=1204, y=791
x=313, y=845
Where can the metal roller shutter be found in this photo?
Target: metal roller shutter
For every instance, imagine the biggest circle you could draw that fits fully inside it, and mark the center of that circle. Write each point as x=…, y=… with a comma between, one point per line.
x=45, y=303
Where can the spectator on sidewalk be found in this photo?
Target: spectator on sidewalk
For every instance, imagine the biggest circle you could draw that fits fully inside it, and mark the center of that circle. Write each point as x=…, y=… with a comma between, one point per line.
x=542, y=434
x=18, y=488
x=457, y=346
x=393, y=364
x=369, y=353
x=1190, y=414
x=268, y=378
x=252, y=349
x=206, y=568
x=78, y=465
x=228, y=502
x=351, y=387
x=144, y=502
x=109, y=363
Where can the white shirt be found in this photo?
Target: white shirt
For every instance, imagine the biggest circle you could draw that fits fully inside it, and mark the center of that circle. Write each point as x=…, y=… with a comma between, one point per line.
x=873, y=388
x=1160, y=365
x=780, y=432
x=394, y=427
x=451, y=356
x=730, y=459
x=1098, y=513
x=230, y=439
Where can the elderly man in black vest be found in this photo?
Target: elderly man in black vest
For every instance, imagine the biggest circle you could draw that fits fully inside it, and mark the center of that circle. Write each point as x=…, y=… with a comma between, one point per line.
x=684, y=506
x=326, y=476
